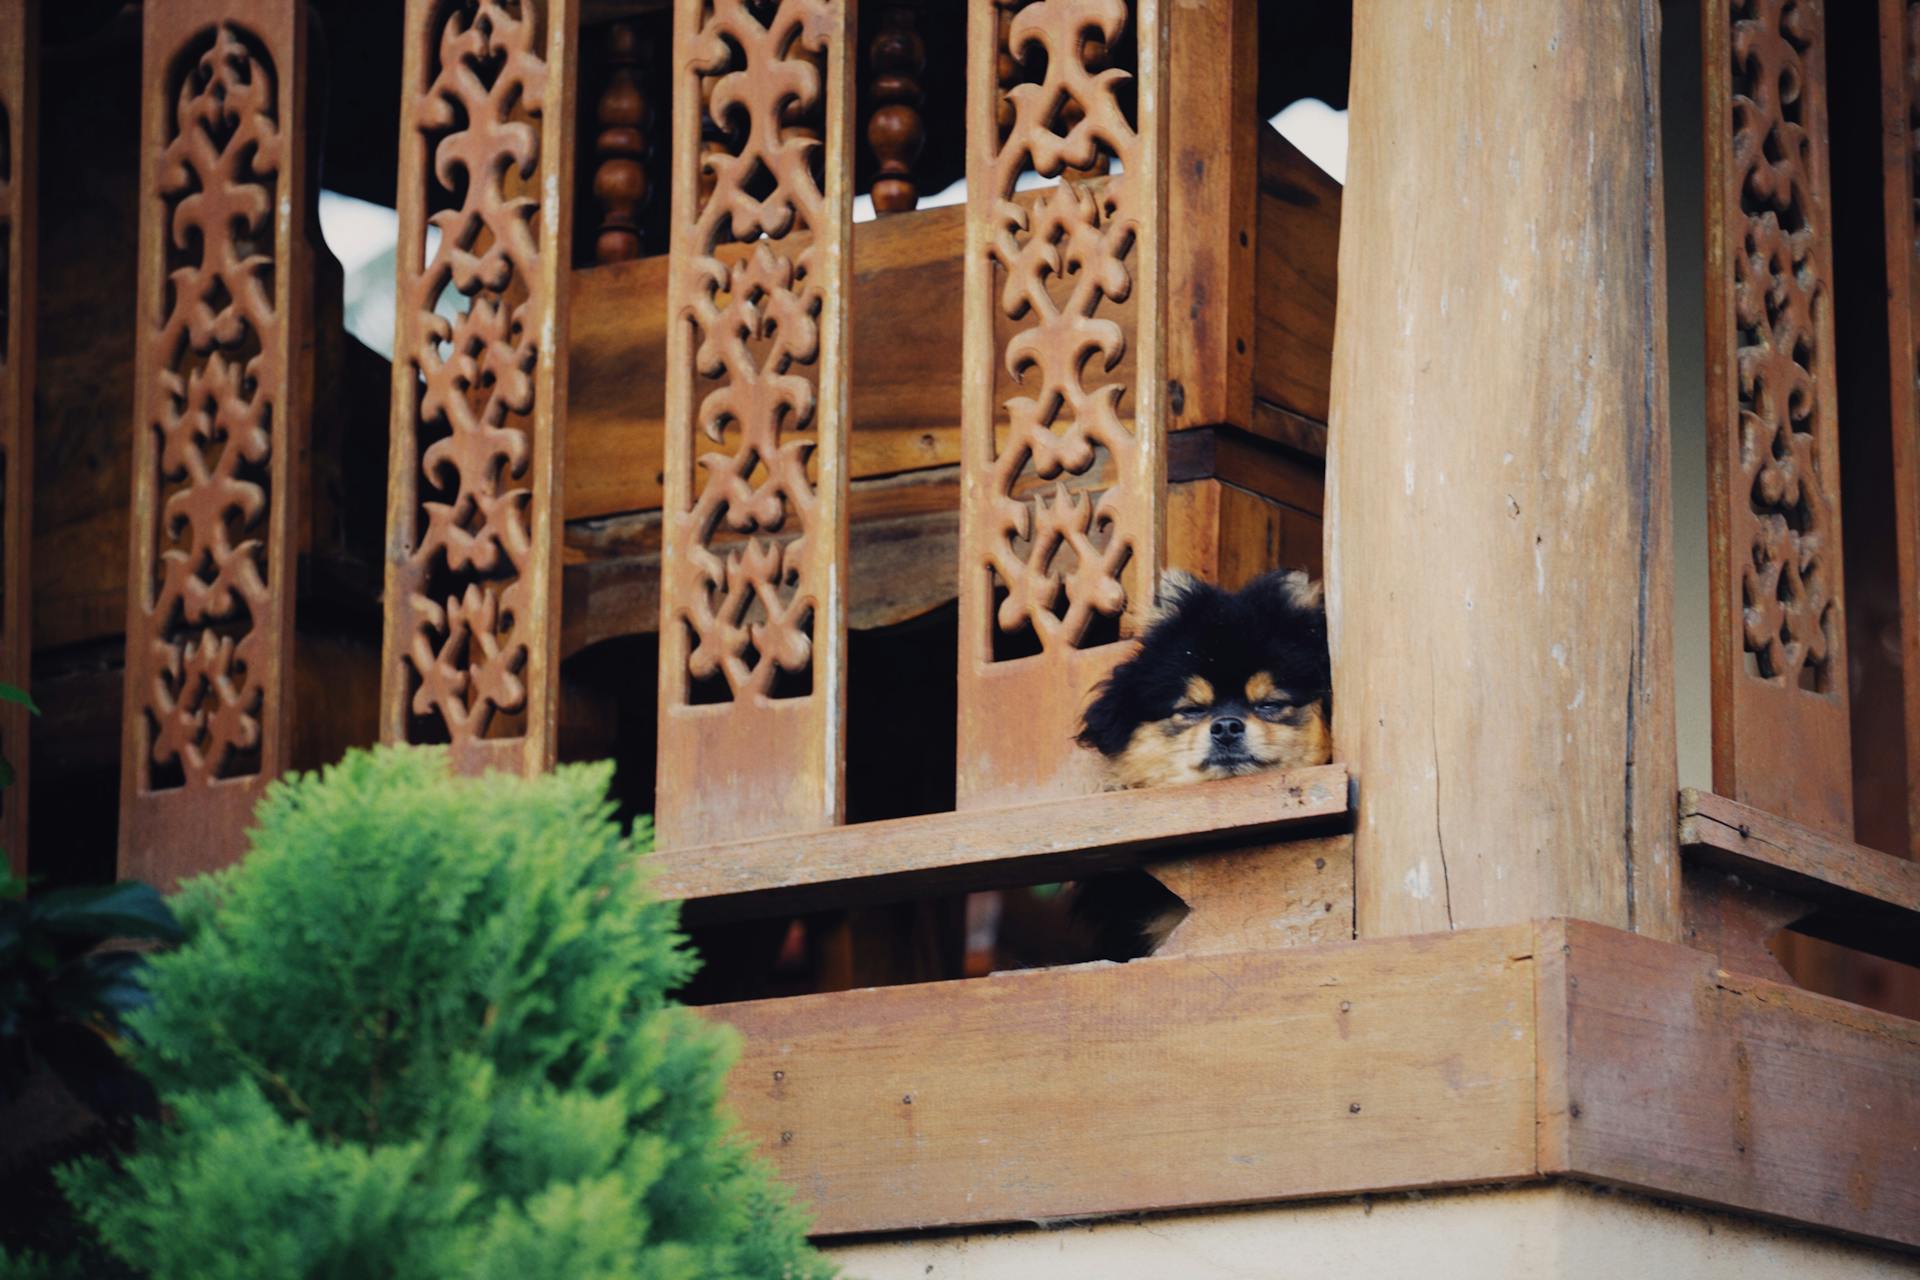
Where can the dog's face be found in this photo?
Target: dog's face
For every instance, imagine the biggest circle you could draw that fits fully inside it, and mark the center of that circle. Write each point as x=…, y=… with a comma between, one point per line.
x=1223, y=684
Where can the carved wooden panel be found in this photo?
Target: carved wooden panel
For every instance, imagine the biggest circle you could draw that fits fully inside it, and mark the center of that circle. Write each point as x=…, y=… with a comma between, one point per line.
x=219, y=429
x=473, y=569
x=1900, y=136
x=1780, y=729
x=753, y=626
x=19, y=48
x=1049, y=583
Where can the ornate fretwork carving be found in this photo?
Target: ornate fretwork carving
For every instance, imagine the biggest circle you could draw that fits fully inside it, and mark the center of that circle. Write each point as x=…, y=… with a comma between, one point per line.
x=749, y=607
x=1064, y=265
x=469, y=609
x=214, y=413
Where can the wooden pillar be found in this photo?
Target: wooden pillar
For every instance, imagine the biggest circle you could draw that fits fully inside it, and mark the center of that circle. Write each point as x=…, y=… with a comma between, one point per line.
x=754, y=543
x=1498, y=541
x=219, y=429
x=1063, y=447
x=479, y=401
x=19, y=128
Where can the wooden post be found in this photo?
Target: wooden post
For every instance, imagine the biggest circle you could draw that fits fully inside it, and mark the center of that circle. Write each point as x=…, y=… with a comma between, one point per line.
x=219, y=429
x=754, y=558
x=1497, y=532
x=479, y=402
x=1780, y=728
x=19, y=129
x=1037, y=573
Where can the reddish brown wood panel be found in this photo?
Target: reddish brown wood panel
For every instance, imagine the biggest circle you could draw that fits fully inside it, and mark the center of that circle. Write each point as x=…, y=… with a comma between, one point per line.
x=1780, y=729
x=753, y=631
x=1899, y=135
x=219, y=429
x=19, y=116
x=1036, y=574
x=479, y=381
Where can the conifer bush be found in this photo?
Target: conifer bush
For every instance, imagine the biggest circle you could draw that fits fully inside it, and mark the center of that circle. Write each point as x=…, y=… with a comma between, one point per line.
x=423, y=1031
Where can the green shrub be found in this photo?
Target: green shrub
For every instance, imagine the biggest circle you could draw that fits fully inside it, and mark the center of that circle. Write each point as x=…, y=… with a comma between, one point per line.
x=422, y=1031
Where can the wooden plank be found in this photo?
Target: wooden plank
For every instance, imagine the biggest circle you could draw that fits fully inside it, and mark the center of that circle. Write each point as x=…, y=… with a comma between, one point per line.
x=1298, y=893
x=989, y=848
x=1213, y=142
x=1517, y=758
x=1040, y=573
x=19, y=194
x=1683, y=1080
x=219, y=429
x=474, y=478
x=1780, y=729
x=1299, y=241
x=753, y=635
x=1900, y=187
x=1873, y=898
x=1161, y=1084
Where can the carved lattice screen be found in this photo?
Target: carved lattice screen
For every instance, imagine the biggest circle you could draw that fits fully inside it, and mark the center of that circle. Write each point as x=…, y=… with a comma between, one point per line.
x=1780, y=729
x=1063, y=428
x=218, y=426
x=473, y=571
x=19, y=48
x=753, y=626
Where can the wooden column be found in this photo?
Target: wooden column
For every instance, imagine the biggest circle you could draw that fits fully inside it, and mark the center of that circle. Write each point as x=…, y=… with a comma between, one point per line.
x=1780, y=729
x=473, y=545
x=1043, y=578
x=1899, y=135
x=219, y=430
x=1497, y=530
x=19, y=128
x=754, y=544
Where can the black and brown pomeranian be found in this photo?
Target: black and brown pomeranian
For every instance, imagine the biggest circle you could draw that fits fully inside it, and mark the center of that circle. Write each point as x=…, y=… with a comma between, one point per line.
x=1224, y=683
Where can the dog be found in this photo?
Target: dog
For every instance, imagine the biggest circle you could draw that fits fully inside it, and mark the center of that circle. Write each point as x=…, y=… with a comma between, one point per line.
x=1223, y=684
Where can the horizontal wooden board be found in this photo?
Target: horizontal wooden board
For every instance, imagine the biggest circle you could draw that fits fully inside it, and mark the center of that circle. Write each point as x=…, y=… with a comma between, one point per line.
x=1299, y=251
x=1681, y=1079
x=1164, y=1083
x=987, y=848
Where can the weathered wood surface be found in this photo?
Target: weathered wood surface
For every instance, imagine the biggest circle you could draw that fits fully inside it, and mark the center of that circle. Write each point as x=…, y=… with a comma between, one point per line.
x=1900, y=187
x=479, y=404
x=1291, y=894
x=19, y=196
x=1680, y=1079
x=757, y=380
x=1780, y=728
x=990, y=848
x=1872, y=899
x=1299, y=253
x=1498, y=527
x=1165, y=1083
x=221, y=379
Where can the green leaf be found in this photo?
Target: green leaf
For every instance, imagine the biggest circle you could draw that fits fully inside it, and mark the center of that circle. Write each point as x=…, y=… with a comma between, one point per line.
x=128, y=909
x=15, y=694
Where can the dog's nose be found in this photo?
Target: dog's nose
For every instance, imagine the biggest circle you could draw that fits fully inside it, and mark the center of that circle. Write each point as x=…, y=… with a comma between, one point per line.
x=1229, y=729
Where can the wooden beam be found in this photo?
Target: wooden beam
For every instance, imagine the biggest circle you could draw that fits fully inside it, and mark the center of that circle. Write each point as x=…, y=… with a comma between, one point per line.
x=1160, y=1084
x=1683, y=1080
x=1299, y=242
x=988, y=848
x=1872, y=898
x=19, y=198
x=1498, y=525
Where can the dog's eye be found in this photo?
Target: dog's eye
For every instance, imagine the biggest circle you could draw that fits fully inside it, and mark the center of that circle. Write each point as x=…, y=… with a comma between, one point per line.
x=1187, y=713
x=1272, y=709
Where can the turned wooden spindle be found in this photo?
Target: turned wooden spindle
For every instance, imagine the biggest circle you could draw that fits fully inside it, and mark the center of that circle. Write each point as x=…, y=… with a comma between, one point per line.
x=620, y=150
x=1006, y=69
x=713, y=139
x=896, y=131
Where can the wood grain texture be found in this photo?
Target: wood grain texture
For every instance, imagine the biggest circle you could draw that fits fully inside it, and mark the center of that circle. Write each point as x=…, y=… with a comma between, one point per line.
x=1299, y=243
x=989, y=848
x=1871, y=899
x=1154, y=1085
x=19, y=197
x=479, y=403
x=219, y=429
x=1684, y=1080
x=757, y=367
x=1780, y=729
x=1900, y=187
x=1498, y=528
x=1298, y=893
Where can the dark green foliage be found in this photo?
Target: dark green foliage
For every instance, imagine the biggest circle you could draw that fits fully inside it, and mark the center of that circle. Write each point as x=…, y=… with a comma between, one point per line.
x=422, y=1031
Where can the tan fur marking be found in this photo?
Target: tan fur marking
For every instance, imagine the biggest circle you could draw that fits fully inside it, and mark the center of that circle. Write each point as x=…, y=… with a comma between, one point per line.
x=1199, y=692
x=1304, y=591
x=1260, y=686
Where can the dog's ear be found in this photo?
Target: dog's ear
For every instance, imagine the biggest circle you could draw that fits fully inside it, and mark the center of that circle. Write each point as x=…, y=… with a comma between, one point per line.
x=1176, y=586
x=1301, y=589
